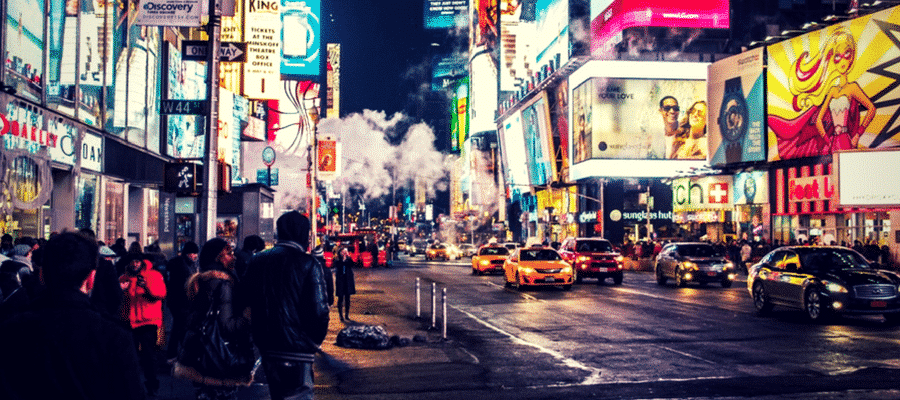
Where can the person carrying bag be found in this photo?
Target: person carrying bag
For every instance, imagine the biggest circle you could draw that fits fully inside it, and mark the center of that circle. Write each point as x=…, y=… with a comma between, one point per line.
x=217, y=351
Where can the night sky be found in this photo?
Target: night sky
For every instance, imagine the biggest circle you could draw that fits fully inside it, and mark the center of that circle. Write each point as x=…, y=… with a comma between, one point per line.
x=380, y=42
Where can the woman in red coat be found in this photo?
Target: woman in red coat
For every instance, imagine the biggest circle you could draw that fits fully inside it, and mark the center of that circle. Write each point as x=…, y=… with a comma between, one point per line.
x=144, y=290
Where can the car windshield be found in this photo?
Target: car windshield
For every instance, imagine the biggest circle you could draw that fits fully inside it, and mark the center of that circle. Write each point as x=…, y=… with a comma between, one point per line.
x=539, y=255
x=699, y=250
x=823, y=260
x=594, y=246
x=494, y=251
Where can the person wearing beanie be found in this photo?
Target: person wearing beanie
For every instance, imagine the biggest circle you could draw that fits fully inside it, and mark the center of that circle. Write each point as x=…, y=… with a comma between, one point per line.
x=180, y=268
x=286, y=290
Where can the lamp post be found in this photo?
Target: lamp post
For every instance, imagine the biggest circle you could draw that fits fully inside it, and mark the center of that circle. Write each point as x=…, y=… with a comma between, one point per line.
x=208, y=197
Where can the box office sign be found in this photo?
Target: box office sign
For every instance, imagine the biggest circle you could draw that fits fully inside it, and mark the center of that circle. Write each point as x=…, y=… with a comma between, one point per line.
x=702, y=193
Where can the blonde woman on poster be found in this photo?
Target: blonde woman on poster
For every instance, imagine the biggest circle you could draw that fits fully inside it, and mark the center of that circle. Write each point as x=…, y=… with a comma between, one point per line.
x=829, y=105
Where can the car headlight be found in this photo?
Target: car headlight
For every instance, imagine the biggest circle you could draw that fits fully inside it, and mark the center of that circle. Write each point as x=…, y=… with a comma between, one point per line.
x=526, y=270
x=620, y=258
x=584, y=258
x=484, y=263
x=689, y=265
x=567, y=270
x=728, y=265
x=834, y=287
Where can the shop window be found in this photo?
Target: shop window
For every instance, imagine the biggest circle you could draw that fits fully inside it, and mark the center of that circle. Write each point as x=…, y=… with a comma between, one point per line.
x=152, y=216
x=87, y=203
x=114, y=226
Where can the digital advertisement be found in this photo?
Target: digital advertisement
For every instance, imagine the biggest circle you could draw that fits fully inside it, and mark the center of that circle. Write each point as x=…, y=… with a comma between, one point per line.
x=538, y=143
x=445, y=14
x=610, y=18
x=639, y=119
x=834, y=89
x=737, y=113
x=300, y=39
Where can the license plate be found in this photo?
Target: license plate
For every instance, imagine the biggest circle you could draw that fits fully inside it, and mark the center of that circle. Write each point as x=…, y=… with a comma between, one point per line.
x=549, y=279
x=711, y=273
x=610, y=270
x=878, y=303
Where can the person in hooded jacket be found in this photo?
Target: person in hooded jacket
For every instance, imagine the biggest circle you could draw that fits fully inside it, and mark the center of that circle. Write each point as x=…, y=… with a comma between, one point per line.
x=215, y=284
x=180, y=269
x=144, y=290
x=286, y=290
x=345, y=285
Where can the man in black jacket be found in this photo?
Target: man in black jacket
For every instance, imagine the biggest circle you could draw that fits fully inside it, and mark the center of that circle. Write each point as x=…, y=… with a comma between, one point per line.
x=285, y=288
x=62, y=347
x=180, y=269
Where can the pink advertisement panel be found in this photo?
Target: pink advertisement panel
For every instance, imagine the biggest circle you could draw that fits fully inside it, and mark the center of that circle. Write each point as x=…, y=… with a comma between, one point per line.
x=624, y=14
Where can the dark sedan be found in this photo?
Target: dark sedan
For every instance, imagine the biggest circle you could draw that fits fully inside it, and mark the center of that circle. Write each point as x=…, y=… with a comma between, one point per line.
x=823, y=281
x=693, y=262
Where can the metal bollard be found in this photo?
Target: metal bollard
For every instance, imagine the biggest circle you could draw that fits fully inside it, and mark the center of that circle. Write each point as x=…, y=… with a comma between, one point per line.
x=433, y=305
x=418, y=299
x=444, y=318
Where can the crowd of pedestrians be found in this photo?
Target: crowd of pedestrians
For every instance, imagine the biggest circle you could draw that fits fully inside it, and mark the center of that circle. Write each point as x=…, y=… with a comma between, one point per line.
x=88, y=321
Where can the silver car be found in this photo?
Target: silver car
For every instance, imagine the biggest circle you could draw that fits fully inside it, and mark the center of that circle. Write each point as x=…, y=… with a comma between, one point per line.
x=693, y=262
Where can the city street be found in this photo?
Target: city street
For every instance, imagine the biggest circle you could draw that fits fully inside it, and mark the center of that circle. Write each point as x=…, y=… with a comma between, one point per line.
x=637, y=340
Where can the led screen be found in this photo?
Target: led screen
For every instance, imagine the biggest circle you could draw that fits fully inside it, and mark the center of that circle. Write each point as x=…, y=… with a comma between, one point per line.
x=512, y=148
x=186, y=82
x=639, y=119
x=24, y=47
x=538, y=143
x=617, y=127
x=300, y=38
x=459, y=114
x=867, y=179
x=737, y=111
x=445, y=14
x=834, y=89
x=610, y=18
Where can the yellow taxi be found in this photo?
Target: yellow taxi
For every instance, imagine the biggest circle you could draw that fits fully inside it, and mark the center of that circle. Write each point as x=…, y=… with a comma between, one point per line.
x=437, y=251
x=537, y=266
x=489, y=258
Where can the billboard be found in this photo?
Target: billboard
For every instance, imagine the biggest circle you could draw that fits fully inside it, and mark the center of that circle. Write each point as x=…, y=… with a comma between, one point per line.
x=459, y=114
x=262, y=32
x=833, y=89
x=446, y=69
x=445, y=14
x=538, y=141
x=169, y=13
x=736, y=95
x=300, y=39
x=610, y=18
x=751, y=187
x=627, y=111
x=333, y=80
x=512, y=150
x=640, y=119
x=868, y=178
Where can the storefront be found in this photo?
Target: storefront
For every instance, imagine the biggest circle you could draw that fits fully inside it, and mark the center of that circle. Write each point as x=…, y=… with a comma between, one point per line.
x=702, y=207
x=806, y=208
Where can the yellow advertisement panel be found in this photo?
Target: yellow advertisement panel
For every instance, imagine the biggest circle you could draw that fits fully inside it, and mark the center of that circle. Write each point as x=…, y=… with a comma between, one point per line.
x=835, y=89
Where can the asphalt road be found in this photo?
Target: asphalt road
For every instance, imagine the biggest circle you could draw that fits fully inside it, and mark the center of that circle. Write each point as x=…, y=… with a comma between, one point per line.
x=632, y=341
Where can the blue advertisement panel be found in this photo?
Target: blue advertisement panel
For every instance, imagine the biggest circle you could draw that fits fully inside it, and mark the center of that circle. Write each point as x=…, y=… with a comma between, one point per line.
x=24, y=47
x=447, y=69
x=737, y=112
x=300, y=38
x=445, y=14
x=187, y=81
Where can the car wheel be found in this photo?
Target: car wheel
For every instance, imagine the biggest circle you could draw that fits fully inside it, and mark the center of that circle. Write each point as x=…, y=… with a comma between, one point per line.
x=519, y=284
x=679, y=279
x=474, y=271
x=576, y=277
x=726, y=283
x=761, y=299
x=617, y=279
x=660, y=278
x=814, y=306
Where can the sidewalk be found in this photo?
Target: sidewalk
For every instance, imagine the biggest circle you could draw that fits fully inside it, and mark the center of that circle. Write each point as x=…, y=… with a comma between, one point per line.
x=340, y=371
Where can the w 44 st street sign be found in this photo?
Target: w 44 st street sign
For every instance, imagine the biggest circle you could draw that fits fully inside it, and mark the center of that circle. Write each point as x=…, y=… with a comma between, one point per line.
x=197, y=50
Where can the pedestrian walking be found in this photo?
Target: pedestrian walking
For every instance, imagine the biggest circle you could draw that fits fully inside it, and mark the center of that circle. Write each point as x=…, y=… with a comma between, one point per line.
x=62, y=347
x=180, y=269
x=211, y=294
x=319, y=254
x=144, y=290
x=344, y=283
x=287, y=295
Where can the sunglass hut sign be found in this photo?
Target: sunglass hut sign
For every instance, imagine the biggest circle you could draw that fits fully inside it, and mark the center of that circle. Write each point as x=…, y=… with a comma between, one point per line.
x=706, y=193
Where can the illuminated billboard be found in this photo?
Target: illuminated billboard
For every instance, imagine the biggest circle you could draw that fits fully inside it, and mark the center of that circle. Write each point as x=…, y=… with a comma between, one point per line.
x=25, y=47
x=262, y=32
x=637, y=119
x=610, y=18
x=459, y=114
x=834, y=89
x=868, y=178
x=300, y=39
x=447, y=69
x=445, y=14
x=538, y=142
x=512, y=149
x=736, y=95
